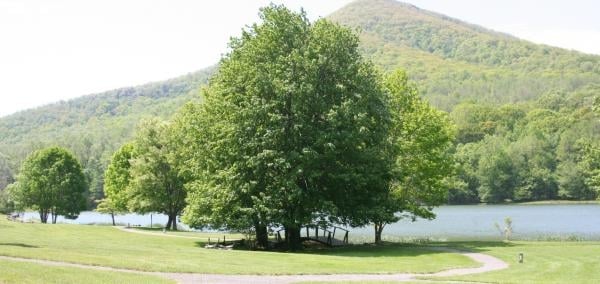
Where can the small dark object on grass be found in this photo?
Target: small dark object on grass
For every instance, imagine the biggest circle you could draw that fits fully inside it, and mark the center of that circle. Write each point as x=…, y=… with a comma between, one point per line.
x=520, y=257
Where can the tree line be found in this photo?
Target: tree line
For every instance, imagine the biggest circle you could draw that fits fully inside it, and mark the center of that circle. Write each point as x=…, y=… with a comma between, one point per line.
x=541, y=150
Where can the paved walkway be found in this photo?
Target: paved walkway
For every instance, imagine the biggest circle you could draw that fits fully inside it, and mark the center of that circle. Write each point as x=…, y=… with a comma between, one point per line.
x=489, y=263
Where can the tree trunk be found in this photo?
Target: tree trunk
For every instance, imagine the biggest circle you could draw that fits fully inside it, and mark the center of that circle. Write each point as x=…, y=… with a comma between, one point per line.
x=53, y=211
x=168, y=225
x=292, y=237
x=262, y=236
x=378, y=230
x=43, y=216
x=172, y=222
x=112, y=215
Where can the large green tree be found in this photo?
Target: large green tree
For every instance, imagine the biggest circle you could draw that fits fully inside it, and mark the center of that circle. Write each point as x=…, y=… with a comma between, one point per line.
x=155, y=182
x=291, y=131
x=51, y=181
x=420, y=140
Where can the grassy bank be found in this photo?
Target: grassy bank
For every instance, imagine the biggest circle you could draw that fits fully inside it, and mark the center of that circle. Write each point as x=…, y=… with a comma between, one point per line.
x=107, y=246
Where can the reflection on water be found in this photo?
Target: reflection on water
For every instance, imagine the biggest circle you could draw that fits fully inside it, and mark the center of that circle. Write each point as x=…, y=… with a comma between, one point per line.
x=452, y=222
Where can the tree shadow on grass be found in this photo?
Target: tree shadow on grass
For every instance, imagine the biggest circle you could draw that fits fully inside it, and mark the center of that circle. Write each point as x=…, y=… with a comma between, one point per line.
x=386, y=250
x=18, y=245
x=390, y=249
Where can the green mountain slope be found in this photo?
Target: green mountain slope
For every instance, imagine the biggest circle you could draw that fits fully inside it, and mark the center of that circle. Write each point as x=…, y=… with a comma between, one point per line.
x=454, y=61
x=451, y=60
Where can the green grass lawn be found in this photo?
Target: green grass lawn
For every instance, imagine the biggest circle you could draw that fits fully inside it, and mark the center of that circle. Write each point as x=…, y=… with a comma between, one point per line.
x=107, y=246
x=544, y=262
x=26, y=273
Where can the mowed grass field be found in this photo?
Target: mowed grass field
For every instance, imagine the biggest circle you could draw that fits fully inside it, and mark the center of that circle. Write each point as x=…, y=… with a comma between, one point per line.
x=544, y=262
x=29, y=273
x=108, y=246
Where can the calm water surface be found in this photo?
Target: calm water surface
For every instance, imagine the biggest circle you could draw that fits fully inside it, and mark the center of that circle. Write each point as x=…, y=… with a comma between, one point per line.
x=477, y=222
x=452, y=222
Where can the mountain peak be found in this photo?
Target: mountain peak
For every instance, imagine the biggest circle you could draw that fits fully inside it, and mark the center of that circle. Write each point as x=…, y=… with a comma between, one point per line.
x=386, y=23
x=401, y=12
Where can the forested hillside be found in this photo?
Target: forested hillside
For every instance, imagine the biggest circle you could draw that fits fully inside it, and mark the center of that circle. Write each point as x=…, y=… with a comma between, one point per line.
x=93, y=126
x=522, y=110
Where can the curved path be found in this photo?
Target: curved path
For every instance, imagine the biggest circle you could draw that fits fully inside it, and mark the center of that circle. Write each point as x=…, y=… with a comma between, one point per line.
x=489, y=263
x=131, y=230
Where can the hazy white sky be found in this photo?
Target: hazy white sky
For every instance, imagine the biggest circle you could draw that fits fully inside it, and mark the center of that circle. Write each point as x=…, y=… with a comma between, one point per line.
x=56, y=50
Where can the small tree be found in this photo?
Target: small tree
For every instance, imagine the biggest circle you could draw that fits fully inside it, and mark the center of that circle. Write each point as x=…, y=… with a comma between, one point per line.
x=420, y=139
x=507, y=230
x=107, y=206
x=156, y=184
x=51, y=181
x=116, y=182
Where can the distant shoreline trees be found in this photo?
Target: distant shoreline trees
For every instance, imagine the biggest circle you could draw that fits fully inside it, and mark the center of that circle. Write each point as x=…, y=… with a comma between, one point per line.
x=530, y=152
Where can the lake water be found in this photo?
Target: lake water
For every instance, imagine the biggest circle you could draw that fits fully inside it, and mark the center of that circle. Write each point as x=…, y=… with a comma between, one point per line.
x=477, y=222
x=452, y=223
